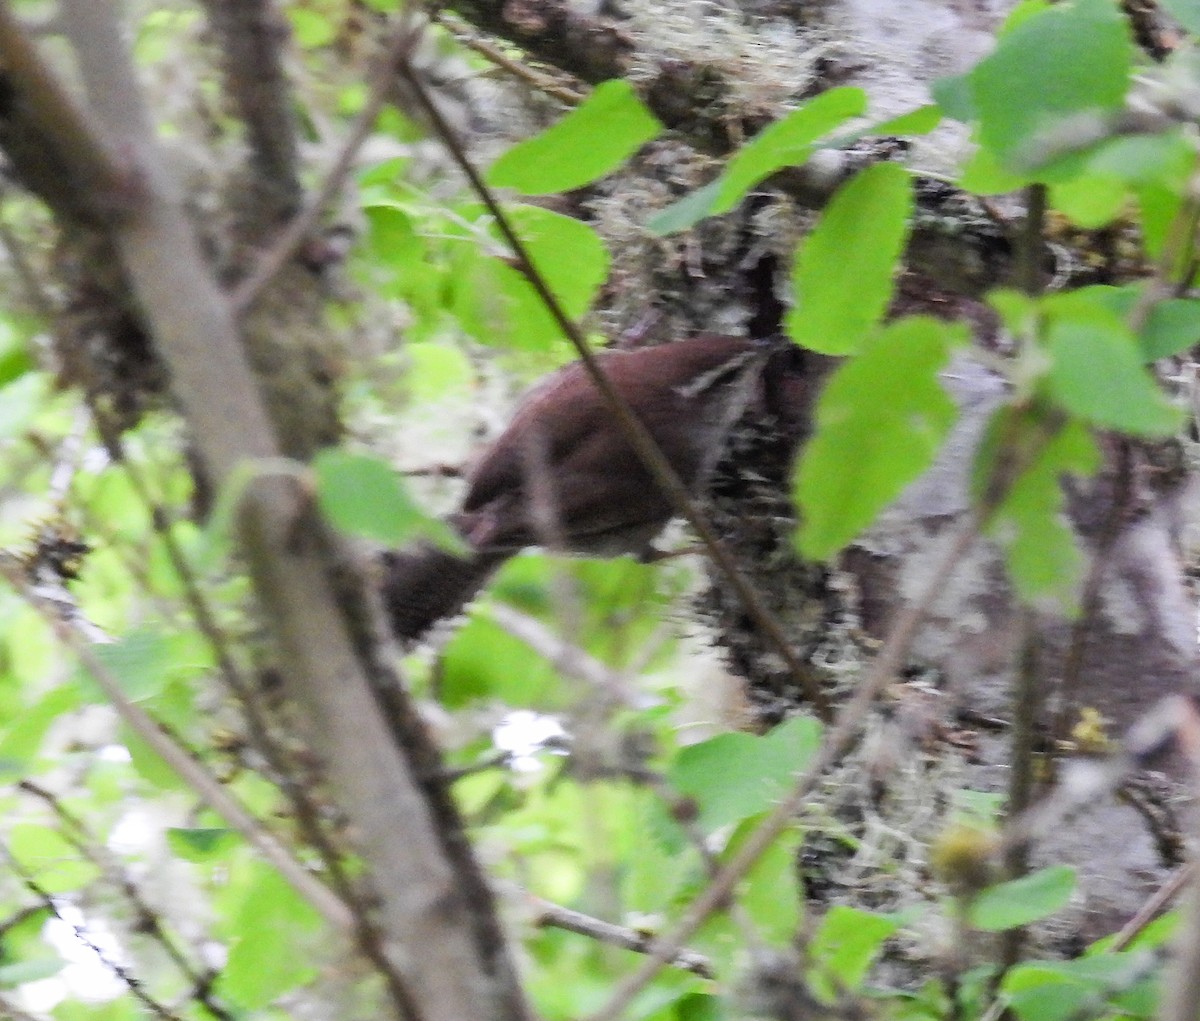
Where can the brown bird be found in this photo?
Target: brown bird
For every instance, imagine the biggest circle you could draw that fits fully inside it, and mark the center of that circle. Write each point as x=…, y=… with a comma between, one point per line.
x=563, y=474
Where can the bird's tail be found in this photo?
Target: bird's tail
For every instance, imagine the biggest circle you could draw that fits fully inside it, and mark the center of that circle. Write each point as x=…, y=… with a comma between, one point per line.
x=425, y=584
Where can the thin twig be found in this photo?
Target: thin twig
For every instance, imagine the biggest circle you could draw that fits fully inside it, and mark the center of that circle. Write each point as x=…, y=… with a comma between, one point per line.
x=570, y=659
x=192, y=772
x=839, y=740
x=134, y=986
x=1154, y=906
x=547, y=913
x=299, y=227
x=1027, y=698
x=147, y=919
x=487, y=49
x=634, y=431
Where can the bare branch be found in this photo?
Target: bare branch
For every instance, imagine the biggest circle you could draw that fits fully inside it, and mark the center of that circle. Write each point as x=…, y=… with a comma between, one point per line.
x=635, y=432
x=547, y=913
x=210, y=790
x=839, y=740
x=302, y=225
x=49, y=140
x=453, y=959
x=252, y=35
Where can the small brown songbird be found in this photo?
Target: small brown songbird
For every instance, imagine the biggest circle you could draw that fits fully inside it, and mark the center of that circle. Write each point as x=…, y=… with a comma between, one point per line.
x=563, y=474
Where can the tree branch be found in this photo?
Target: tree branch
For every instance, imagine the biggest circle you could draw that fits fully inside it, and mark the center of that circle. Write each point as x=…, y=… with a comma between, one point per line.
x=448, y=971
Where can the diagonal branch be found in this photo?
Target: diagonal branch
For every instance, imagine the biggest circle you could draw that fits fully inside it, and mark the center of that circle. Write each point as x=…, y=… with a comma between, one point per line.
x=431, y=927
x=635, y=432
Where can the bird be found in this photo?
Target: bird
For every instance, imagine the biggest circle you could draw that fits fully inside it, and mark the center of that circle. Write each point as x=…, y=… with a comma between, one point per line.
x=563, y=474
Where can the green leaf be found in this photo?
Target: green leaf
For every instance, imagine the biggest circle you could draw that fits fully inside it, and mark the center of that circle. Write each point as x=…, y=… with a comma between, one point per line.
x=24, y=952
x=953, y=95
x=264, y=959
x=148, y=764
x=683, y=213
x=20, y=972
x=55, y=863
x=1090, y=200
x=483, y=662
x=1097, y=374
x=22, y=740
x=1066, y=61
x=1041, y=551
x=21, y=400
x=844, y=270
x=1167, y=158
x=589, y=142
x=1021, y=901
x=569, y=254
x=141, y=662
x=787, y=142
x=984, y=175
x=920, y=121
x=201, y=844
x=363, y=495
x=734, y=776
x=1159, y=206
x=435, y=370
x=770, y=894
x=879, y=424
x=498, y=305
x=1038, y=993
x=1172, y=327
x=847, y=942
x=310, y=28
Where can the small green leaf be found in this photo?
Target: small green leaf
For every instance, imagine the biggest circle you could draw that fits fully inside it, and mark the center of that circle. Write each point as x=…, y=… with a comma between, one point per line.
x=24, y=952
x=588, y=143
x=920, y=121
x=1039, y=993
x=363, y=495
x=569, y=254
x=55, y=863
x=22, y=739
x=1041, y=551
x=1021, y=901
x=20, y=972
x=844, y=270
x=201, y=844
x=683, y=213
x=953, y=96
x=1091, y=200
x=1097, y=374
x=770, y=893
x=984, y=175
x=264, y=961
x=1067, y=61
x=787, y=142
x=311, y=29
x=880, y=421
x=735, y=776
x=1172, y=327
x=1159, y=206
x=141, y=661
x=847, y=942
